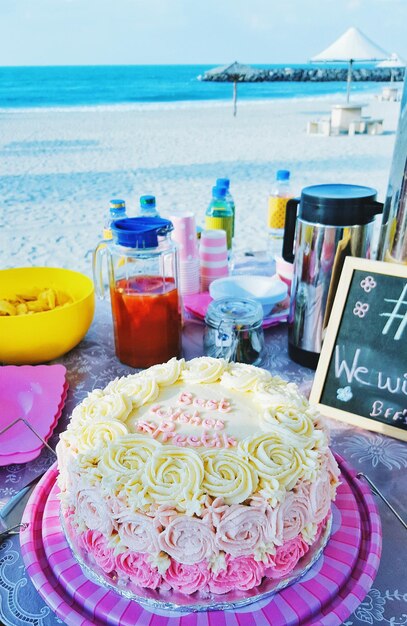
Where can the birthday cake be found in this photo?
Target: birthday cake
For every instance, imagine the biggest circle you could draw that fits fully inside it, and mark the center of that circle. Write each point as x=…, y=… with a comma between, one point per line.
x=195, y=476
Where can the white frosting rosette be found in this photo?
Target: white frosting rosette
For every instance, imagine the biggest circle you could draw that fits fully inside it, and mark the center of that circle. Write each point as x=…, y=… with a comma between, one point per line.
x=203, y=369
x=166, y=374
x=128, y=489
x=127, y=455
x=91, y=397
x=140, y=388
x=174, y=475
x=188, y=540
x=115, y=406
x=243, y=377
x=125, y=460
x=244, y=530
x=91, y=512
x=295, y=513
x=292, y=418
x=137, y=532
x=228, y=475
x=275, y=392
x=275, y=458
x=96, y=435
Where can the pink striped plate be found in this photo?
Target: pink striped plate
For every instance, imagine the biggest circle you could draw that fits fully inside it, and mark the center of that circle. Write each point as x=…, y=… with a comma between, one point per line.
x=325, y=596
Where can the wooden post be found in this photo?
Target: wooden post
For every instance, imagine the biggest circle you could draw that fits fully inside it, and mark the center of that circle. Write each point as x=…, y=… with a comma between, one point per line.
x=234, y=98
x=349, y=80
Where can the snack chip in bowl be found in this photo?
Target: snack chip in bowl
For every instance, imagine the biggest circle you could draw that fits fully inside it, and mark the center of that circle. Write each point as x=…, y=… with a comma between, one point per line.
x=46, y=311
x=34, y=300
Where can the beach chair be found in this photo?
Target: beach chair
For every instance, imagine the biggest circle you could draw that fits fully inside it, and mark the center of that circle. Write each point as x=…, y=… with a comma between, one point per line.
x=389, y=94
x=319, y=127
x=366, y=125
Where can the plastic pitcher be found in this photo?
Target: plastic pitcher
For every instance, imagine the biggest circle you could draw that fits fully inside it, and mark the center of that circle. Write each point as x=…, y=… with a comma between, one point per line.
x=143, y=280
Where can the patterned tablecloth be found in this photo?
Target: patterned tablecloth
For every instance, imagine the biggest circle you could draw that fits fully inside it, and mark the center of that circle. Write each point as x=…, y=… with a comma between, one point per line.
x=93, y=364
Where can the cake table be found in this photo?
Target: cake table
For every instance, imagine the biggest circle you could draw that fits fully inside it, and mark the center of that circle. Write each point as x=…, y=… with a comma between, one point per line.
x=384, y=460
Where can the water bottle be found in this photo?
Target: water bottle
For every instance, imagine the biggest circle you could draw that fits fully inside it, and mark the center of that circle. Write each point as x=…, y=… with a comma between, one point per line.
x=219, y=214
x=225, y=182
x=279, y=196
x=117, y=211
x=148, y=207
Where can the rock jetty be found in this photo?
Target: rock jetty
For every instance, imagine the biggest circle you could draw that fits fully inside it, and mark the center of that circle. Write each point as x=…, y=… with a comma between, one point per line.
x=308, y=74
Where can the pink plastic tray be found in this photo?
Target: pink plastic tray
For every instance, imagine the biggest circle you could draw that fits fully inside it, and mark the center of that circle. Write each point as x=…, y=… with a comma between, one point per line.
x=36, y=393
x=197, y=304
x=325, y=596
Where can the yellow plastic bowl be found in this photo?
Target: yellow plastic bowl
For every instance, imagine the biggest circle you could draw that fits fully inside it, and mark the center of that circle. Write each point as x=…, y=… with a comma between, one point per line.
x=28, y=339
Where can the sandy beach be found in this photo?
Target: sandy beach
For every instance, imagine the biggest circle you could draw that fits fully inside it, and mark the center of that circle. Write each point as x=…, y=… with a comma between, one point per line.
x=60, y=167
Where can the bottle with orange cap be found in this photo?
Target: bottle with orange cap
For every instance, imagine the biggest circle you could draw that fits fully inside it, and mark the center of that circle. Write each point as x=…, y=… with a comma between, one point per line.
x=279, y=196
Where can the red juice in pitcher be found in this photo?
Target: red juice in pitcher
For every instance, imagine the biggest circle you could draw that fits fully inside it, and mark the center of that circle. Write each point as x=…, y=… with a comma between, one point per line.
x=146, y=319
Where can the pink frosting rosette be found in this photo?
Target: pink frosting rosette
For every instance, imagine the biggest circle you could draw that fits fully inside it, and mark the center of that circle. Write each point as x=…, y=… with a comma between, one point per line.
x=94, y=543
x=286, y=557
x=244, y=529
x=138, y=532
x=187, y=578
x=320, y=496
x=92, y=510
x=136, y=567
x=241, y=573
x=214, y=510
x=295, y=512
x=188, y=540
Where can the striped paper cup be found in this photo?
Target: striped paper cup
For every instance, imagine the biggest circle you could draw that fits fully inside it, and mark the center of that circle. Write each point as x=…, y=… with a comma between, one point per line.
x=213, y=239
x=184, y=234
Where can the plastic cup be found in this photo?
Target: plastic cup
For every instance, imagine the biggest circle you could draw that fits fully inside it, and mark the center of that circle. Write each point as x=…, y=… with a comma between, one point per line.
x=184, y=234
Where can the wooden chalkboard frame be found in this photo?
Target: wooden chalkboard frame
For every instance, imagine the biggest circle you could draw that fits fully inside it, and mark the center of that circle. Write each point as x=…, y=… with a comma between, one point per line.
x=350, y=266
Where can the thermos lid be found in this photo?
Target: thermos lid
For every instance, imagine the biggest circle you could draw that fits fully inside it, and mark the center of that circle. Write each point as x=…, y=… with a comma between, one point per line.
x=140, y=232
x=338, y=205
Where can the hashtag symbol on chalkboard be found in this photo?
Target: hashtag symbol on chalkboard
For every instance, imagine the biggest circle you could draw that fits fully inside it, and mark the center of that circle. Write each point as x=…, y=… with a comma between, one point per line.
x=396, y=314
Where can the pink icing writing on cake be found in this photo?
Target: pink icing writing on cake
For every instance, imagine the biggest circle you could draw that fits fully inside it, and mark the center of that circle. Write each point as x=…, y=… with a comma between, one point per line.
x=223, y=406
x=165, y=431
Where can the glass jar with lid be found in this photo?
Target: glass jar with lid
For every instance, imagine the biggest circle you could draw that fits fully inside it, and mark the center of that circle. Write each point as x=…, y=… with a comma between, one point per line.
x=233, y=330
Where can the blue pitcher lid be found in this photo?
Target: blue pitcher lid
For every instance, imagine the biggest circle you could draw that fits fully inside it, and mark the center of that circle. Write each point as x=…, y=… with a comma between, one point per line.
x=140, y=232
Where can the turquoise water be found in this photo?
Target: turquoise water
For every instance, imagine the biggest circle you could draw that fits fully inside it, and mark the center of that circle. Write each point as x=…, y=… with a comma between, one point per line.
x=75, y=86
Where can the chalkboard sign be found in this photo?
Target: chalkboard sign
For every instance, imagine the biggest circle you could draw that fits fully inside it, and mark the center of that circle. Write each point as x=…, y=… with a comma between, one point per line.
x=362, y=371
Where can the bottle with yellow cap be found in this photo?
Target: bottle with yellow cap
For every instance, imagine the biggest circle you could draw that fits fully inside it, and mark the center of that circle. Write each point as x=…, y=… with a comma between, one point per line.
x=279, y=196
x=117, y=211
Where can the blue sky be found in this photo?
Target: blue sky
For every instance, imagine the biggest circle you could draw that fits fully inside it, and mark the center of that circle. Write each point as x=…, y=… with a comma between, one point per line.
x=65, y=32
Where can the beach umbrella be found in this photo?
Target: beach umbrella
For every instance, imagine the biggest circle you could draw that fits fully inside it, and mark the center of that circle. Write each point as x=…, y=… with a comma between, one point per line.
x=393, y=62
x=352, y=46
x=233, y=73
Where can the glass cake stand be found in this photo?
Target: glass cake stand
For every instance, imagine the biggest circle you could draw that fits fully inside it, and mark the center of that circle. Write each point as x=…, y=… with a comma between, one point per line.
x=199, y=601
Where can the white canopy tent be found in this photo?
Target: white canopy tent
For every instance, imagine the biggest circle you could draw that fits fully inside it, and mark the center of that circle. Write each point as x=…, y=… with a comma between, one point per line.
x=352, y=46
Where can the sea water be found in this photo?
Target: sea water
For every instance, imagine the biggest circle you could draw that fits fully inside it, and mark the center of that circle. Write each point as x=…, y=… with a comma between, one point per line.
x=147, y=86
